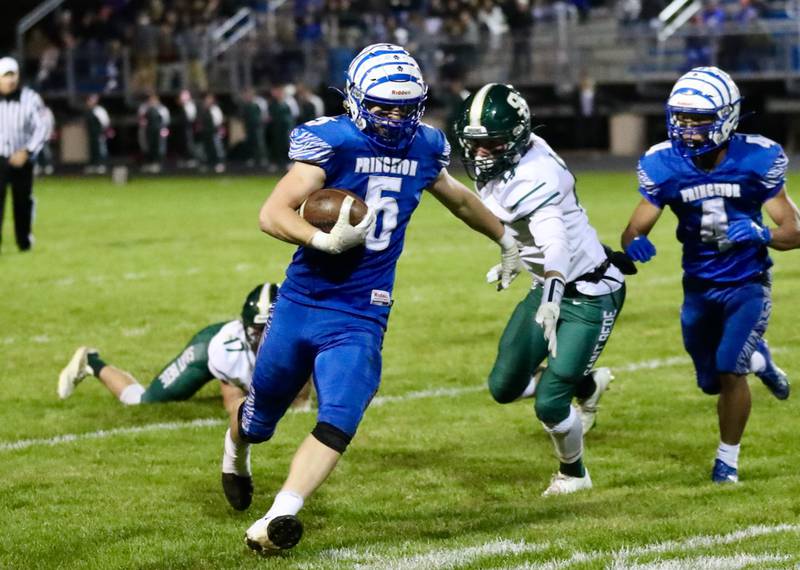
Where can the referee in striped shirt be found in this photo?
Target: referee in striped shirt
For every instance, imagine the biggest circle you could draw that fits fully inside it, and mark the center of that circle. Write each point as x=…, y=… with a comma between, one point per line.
x=24, y=129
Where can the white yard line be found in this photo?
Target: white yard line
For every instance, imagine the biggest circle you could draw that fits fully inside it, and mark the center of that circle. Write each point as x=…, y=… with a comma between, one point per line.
x=378, y=401
x=623, y=558
x=207, y=422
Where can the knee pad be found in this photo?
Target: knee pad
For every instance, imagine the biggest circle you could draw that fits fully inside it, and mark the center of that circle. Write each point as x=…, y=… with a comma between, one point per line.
x=331, y=436
x=251, y=437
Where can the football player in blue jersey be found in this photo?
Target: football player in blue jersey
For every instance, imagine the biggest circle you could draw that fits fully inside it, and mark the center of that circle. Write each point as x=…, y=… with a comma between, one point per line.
x=716, y=182
x=334, y=304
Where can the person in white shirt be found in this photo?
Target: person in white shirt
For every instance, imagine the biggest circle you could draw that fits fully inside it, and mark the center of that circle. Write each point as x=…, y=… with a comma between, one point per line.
x=577, y=292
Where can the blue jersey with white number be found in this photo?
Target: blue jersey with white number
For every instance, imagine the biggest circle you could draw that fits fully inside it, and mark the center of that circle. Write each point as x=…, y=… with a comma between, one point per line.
x=360, y=280
x=752, y=172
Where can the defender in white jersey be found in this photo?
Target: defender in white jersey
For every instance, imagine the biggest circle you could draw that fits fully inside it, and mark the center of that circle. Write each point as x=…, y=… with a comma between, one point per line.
x=577, y=291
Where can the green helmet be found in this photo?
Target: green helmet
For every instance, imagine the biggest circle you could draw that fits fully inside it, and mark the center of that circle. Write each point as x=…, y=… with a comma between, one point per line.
x=255, y=310
x=496, y=113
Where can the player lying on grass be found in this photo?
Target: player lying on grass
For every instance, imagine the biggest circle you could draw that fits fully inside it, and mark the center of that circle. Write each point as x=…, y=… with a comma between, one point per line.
x=225, y=351
x=577, y=293
x=716, y=182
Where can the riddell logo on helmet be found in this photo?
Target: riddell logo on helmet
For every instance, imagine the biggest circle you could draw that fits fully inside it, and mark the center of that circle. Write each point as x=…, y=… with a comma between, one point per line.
x=398, y=92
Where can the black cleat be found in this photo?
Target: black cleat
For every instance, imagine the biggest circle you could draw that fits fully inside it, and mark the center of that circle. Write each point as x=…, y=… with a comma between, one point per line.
x=279, y=533
x=238, y=490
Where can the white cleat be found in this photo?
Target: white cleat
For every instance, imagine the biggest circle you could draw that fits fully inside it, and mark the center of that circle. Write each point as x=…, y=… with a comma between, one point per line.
x=588, y=407
x=274, y=533
x=564, y=484
x=73, y=373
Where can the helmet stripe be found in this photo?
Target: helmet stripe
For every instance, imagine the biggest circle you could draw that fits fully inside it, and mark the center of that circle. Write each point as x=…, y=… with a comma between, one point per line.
x=476, y=109
x=264, y=300
x=367, y=73
x=718, y=78
x=373, y=54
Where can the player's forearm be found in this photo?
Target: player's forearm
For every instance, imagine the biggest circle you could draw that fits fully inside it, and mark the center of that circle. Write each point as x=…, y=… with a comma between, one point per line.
x=786, y=236
x=284, y=223
x=479, y=218
x=628, y=235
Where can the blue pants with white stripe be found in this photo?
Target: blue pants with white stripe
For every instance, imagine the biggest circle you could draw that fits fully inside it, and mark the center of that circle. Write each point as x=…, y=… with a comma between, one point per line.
x=721, y=326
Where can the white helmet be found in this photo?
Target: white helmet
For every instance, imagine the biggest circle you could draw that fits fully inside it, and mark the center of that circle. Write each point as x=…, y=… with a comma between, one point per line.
x=703, y=91
x=385, y=74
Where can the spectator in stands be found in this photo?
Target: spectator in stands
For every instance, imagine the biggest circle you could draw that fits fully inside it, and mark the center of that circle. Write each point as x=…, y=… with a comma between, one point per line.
x=211, y=123
x=744, y=51
x=189, y=42
x=254, y=117
x=98, y=129
x=145, y=50
x=520, y=22
x=170, y=67
x=153, y=131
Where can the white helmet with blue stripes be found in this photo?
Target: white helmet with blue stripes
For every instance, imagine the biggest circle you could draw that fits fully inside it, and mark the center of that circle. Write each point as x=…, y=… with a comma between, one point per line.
x=385, y=75
x=703, y=91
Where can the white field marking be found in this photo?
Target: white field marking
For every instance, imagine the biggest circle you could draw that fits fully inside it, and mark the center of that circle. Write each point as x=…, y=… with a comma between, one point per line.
x=40, y=339
x=8, y=340
x=440, y=558
x=622, y=556
x=140, y=275
x=708, y=563
x=104, y=433
x=377, y=401
x=206, y=422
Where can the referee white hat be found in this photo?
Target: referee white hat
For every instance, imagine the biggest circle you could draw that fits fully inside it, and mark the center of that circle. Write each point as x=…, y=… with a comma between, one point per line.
x=8, y=65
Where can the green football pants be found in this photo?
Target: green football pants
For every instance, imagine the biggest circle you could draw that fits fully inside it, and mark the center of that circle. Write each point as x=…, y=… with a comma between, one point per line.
x=185, y=374
x=584, y=326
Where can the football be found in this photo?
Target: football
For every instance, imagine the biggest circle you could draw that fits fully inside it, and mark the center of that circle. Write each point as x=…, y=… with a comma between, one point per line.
x=321, y=208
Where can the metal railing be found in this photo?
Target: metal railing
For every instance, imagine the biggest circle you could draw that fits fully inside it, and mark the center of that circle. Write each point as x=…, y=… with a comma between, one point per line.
x=556, y=55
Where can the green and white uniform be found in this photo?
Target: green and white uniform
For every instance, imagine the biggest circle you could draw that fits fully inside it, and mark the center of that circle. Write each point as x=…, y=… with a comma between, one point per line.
x=218, y=351
x=537, y=201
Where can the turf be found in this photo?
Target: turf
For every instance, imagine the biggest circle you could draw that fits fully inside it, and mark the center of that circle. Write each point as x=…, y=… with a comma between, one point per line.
x=433, y=479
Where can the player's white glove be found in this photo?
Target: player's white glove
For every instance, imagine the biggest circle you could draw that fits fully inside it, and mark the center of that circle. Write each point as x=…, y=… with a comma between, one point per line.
x=549, y=310
x=344, y=236
x=547, y=318
x=510, y=264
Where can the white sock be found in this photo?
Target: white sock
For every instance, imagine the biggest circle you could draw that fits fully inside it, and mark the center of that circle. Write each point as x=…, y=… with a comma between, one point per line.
x=285, y=503
x=236, y=457
x=131, y=395
x=757, y=362
x=567, y=437
x=530, y=389
x=729, y=454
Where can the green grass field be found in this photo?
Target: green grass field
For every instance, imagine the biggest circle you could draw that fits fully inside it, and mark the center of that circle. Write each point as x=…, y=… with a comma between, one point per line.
x=439, y=475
